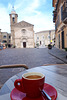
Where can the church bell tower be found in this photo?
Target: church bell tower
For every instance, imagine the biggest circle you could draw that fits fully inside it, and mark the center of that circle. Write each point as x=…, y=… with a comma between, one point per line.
x=13, y=21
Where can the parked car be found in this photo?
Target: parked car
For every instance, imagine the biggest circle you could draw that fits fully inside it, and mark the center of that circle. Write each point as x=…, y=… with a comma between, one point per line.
x=4, y=47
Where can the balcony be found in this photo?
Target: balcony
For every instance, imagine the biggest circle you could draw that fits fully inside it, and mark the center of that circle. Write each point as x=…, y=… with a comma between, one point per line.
x=54, y=15
x=64, y=15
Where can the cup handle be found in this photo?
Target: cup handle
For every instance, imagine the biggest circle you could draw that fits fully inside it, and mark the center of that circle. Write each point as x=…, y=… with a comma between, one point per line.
x=18, y=85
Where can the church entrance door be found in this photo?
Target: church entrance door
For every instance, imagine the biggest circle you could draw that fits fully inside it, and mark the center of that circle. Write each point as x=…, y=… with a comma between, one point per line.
x=24, y=44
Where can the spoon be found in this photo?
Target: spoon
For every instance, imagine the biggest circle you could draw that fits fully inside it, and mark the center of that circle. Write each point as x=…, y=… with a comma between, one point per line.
x=47, y=96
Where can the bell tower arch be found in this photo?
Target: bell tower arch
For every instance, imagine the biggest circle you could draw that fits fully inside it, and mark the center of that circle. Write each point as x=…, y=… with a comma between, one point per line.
x=13, y=17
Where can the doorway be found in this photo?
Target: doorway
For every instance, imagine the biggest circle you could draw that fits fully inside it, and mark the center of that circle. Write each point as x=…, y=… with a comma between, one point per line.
x=62, y=39
x=40, y=42
x=59, y=40
x=24, y=44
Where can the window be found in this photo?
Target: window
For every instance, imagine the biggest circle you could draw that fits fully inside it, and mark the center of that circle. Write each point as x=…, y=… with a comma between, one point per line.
x=4, y=36
x=37, y=37
x=49, y=36
x=57, y=23
x=9, y=41
x=4, y=41
x=64, y=6
x=43, y=37
x=9, y=37
x=61, y=12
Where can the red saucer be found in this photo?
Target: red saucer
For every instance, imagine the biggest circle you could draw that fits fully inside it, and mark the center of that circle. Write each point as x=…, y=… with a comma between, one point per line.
x=50, y=90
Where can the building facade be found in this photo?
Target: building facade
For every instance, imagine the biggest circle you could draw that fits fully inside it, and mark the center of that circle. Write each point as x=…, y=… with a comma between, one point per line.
x=43, y=38
x=5, y=38
x=60, y=20
x=22, y=33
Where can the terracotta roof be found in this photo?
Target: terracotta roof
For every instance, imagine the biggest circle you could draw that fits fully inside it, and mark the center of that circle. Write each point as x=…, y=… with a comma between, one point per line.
x=23, y=24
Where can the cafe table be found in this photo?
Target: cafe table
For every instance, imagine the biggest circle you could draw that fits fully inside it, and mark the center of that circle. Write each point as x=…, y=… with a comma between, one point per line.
x=55, y=75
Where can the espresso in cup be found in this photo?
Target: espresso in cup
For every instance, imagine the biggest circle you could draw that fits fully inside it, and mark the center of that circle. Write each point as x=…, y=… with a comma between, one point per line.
x=31, y=83
x=33, y=77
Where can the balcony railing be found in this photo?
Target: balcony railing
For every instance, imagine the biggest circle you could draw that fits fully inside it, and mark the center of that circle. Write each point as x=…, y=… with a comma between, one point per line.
x=54, y=15
x=58, y=1
x=57, y=4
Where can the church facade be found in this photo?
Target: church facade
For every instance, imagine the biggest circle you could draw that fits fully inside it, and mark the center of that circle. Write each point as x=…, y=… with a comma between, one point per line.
x=22, y=33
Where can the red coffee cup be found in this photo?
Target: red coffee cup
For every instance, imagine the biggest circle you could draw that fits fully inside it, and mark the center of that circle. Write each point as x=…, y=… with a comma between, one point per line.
x=31, y=84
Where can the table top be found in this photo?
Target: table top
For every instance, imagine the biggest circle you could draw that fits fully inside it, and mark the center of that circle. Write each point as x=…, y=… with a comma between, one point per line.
x=55, y=75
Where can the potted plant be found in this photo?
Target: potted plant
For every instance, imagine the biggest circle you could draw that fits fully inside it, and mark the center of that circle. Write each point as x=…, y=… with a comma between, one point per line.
x=49, y=46
x=37, y=44
x=66, y=50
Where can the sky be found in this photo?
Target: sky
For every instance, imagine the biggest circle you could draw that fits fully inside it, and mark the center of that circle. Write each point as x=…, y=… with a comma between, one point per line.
x=37, y=12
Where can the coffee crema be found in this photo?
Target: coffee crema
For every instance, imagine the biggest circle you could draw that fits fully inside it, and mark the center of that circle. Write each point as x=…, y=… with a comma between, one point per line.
x=33, y=77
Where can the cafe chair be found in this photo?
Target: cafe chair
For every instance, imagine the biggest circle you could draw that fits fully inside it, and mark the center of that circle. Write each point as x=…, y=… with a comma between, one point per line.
x=13, y=66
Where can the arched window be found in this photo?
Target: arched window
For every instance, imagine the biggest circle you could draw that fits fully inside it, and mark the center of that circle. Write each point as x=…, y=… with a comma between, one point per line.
x=13, y=19
x=23, y=30
x=4, y=36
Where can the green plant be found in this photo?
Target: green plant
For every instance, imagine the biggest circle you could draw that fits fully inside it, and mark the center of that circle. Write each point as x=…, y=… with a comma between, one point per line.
x=13, y=46
x=37, y=44
x=65, y=49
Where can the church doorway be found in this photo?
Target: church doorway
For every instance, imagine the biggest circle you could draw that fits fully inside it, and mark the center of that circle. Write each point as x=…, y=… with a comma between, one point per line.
x=24, y=44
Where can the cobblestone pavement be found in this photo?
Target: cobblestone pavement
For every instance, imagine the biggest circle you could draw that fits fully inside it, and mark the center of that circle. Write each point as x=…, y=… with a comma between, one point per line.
x=60, y=54
x=31, y=57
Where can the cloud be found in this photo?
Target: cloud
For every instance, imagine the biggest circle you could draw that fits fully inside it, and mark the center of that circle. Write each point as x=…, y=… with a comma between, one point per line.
x=40, y=19
x=4, y=19
x=30, y=11
x=27, y=7
x=9, y=7
x=41, y=22
x=35, y=4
